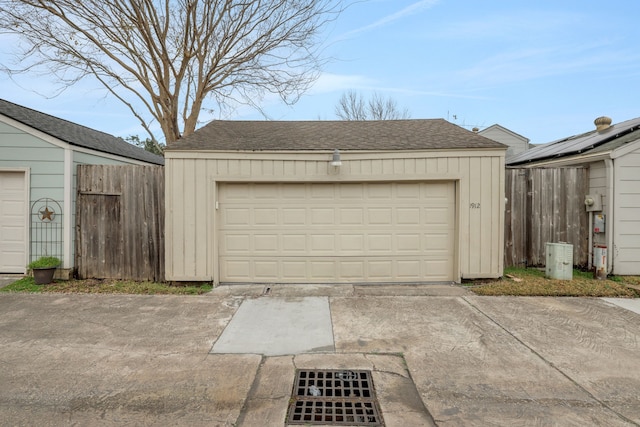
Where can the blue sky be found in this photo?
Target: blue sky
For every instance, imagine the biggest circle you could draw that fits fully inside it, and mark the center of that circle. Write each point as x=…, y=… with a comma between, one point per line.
x=543, y=69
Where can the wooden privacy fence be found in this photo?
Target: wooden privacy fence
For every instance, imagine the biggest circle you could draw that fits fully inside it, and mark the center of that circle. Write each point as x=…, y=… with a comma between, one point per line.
x=545, y=205
x=120, y=222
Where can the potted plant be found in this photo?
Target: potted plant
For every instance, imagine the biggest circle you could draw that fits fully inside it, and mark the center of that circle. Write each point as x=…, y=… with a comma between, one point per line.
x=43, y=269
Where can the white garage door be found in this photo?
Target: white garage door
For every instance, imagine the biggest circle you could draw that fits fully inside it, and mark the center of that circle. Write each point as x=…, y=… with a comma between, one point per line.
x=13, y=229
x=336, y=232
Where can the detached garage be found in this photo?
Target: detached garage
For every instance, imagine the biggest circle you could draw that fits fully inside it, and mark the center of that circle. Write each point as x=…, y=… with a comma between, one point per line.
x=334, y=202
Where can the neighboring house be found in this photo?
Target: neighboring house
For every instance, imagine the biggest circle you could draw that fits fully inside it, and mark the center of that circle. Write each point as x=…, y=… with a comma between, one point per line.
x=38, y=158
x=516, y=143
x=612, y=154
x=334, y=201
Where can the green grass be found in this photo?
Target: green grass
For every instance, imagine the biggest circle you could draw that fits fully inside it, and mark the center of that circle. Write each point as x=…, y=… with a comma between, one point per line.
x=26, y=284
x=532, y=282
x=516, y=281
x=94, y=286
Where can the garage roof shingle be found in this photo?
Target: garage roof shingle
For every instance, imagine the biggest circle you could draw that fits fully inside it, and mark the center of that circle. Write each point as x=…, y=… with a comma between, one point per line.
x=76, y=134
x=423, y=134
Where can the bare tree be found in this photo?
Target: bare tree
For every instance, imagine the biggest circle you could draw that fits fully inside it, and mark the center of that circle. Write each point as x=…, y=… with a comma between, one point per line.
x=352, y=106
x=167, y=60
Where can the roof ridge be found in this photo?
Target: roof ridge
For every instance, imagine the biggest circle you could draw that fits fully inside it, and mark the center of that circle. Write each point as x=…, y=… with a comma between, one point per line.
x=76, y=134
x=42, y=113
x=309, y=135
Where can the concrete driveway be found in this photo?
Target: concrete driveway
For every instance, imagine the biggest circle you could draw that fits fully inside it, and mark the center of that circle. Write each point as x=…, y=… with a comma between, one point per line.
x=438, y=356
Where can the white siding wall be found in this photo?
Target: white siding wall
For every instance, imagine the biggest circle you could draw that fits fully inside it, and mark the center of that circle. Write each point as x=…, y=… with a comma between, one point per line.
x=19, y=149
x=192, y=177
x=46, y=163
x=516, y=143
x=598, y=187
x=626, y=250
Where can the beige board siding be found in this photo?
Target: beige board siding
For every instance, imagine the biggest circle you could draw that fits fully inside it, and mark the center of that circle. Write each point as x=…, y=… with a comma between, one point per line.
x=189, y=210
x=192, y=179
x=626, y=229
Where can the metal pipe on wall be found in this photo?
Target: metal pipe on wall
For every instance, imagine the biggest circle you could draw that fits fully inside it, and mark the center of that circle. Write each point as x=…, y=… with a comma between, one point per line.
x=609, y=218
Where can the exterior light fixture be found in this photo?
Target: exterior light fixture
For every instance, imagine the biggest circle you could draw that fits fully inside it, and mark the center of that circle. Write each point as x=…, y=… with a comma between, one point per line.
x=335, y=161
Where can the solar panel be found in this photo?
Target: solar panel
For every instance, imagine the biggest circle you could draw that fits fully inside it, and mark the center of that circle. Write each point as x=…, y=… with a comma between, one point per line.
x=575, y=144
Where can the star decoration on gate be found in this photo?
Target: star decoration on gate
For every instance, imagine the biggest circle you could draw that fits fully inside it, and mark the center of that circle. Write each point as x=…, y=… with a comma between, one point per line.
x=47, y=214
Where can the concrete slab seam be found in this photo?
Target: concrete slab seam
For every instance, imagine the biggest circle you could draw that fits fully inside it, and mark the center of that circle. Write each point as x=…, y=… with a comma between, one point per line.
x=548, y=363
x=213, y=344
x=333, y=334
x=409, y=377
x=251, y=393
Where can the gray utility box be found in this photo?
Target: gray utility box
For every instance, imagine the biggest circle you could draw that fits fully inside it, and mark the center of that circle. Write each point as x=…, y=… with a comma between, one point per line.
x=559, y=261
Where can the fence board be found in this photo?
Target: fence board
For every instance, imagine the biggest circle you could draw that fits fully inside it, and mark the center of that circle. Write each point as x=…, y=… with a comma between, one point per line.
x=120, y=222
x=545, y=205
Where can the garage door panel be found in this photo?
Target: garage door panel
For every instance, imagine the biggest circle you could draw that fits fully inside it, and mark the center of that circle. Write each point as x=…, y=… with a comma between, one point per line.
x=408, y=216
x=266, y=216
x=325, y=269
x=267, y=192
x=240, y=217
x=379, y=192
x=408, y=191
x=241, y=192
x=322, y=216
x=293, y=192
x=322, y=244
x=409, y=270
x=337, y=232
x=439, y=216
x=13, y=224
x=351, y=244
x=351, y=216
x=294, y=270
x=12, y=259
x=436, y=243
x=233, y=269
x=436, y=191
x=350, y=192
x=380, y=243
x=12, y=234
x=13, y=208
x=381, y=270
x=322, y=269
x=240, y=243
x=295, y=243
x=437, y=270
x=380, y=216
x=294, y=216
x=268, y=243
x=322, y=192
x=409, y=243
x=351, y=270
x=266, y=270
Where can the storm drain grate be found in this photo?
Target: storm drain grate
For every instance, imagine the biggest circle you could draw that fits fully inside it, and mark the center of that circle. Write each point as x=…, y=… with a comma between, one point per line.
x=334, y=397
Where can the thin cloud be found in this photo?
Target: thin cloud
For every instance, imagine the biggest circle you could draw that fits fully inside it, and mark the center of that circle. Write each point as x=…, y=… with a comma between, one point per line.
x=517, y=24
x=412, y=9
x=536, y=63
x=328, y=82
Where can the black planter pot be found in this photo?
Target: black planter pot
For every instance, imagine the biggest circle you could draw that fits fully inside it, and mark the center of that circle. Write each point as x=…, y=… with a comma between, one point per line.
x=43, y=276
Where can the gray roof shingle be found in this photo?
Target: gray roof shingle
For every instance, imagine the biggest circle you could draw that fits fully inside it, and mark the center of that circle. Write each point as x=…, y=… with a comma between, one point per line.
x=76, y=134
x=423, y=134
